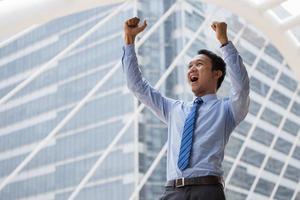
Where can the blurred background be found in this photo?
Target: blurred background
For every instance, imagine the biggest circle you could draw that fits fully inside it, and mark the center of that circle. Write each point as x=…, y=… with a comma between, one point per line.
x=64, y=100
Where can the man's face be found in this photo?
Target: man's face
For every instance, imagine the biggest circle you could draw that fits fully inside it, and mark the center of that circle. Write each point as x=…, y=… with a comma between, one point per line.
x=200, y=76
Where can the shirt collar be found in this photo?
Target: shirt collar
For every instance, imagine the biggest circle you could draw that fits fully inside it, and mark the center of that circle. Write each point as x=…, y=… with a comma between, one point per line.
x=208, y=97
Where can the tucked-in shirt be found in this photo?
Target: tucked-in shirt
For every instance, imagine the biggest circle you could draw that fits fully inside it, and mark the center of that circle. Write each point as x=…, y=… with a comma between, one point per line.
x=217, y=117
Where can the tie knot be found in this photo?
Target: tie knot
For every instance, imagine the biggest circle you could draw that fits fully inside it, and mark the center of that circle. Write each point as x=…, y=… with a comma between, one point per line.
x=198, y=100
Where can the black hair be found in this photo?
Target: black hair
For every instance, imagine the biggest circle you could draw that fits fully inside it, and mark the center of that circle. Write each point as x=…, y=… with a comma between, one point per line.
x=217, y=64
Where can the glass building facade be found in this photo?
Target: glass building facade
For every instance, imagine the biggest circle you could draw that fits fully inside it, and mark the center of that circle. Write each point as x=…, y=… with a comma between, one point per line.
x=273, y=121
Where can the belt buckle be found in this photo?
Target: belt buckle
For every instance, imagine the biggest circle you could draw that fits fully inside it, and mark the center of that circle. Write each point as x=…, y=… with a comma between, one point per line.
x=180, y=181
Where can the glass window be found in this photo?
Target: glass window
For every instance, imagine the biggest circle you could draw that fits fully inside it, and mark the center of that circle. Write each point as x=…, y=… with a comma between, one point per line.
x=292, y=173
x=264, y=187
x=253, y=38
x=259, y=87
x=266, y=69
x=296, y=109
x=233, y=147
x=233, y=195
x=234, y=23
x=226, y=166
x=262, y=136
x=296, y=153
x=254, y=107
x=287, y=82
x=241, y=178
x=252, y=157
x=283, y=193
x=291, y=127
x=271, y=117
x=283, y=146
x=29, y=187
x=243, y=128
x=200, y=6
x=280, y=99
x=273, y=52
x=193, y=20
x=273, y=165
x=247, y=56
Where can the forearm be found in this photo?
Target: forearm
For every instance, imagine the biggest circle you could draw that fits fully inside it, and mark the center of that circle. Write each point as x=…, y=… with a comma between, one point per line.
x=235, y=67
x=129, y=39
x=141, y=88
x=130, y=67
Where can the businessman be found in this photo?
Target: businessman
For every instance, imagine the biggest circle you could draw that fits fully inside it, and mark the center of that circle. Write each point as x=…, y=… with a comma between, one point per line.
x=198, y=131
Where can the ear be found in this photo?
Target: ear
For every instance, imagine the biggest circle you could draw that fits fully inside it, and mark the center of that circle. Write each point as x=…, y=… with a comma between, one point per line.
x=218, y=74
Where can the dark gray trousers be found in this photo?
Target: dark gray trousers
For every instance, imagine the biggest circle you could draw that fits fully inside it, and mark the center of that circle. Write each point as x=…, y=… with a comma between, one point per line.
x=197, y=192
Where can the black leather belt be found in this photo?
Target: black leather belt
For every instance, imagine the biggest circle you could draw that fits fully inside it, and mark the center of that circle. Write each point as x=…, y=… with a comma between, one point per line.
x=203, y=180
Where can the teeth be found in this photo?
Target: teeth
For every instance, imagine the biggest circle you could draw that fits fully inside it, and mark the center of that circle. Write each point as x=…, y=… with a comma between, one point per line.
x=194, y=78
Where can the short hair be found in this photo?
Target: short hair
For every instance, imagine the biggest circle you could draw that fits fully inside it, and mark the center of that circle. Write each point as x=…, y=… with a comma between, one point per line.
x=217, y=64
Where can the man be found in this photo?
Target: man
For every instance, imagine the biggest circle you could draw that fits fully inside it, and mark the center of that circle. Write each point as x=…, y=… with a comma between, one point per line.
x=197, y=131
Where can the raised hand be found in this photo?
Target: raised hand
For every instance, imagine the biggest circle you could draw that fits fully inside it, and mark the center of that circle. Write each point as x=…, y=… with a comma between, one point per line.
x=132, y=29
x=221, y=31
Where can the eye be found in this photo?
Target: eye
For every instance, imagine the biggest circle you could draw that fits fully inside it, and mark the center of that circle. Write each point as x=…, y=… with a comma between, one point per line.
x=199, y=64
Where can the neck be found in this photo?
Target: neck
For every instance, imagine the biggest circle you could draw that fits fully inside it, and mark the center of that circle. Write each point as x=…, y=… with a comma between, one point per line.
x=203, y=93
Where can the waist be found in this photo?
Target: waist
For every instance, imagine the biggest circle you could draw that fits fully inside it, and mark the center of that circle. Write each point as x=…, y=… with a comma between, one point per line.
x=201, y=180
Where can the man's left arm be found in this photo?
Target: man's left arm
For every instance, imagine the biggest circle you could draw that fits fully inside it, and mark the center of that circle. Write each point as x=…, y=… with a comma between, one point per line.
x=239, y=95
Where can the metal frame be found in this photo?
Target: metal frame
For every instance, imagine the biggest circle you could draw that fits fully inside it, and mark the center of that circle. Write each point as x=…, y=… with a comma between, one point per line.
x=46, y=140
x=60, y=55
x=271, y=148
x=291, y=150
x=277, y=32
x=131, y=119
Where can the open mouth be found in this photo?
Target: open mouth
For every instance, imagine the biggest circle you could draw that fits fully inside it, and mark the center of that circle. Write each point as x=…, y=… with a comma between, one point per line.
x=193, y=78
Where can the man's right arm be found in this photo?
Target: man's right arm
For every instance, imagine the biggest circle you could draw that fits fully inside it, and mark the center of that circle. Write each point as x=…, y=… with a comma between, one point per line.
x=139, y=86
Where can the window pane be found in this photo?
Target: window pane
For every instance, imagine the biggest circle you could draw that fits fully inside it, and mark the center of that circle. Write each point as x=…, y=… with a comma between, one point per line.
x=273, y=52
x=247, y=56
x=252, y=157
x=243, y=128
x=233, y=147
x=292, y=173
x=253, y=38
x=271, y=117
x=287, y=82
x=283, y=193
x=241, y=178
x=254, y=107
x=258, y=86
x=266, y=69
x=262, y=136
x=264, y=187
x=283, y=145
x=296, y=153
x=280, y=99
x=291, y=127
x=234, y=23
x=296, y=109
x=274, y=166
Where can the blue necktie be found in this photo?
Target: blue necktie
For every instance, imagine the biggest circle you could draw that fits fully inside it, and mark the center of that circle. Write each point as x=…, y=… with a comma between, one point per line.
x=187, y=135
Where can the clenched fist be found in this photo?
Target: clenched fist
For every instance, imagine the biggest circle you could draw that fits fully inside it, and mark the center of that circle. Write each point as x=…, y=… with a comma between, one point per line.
x=132, y=29
x=221, y=31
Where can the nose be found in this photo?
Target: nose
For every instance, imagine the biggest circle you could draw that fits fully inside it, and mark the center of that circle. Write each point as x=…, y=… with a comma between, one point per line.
x=192, y=68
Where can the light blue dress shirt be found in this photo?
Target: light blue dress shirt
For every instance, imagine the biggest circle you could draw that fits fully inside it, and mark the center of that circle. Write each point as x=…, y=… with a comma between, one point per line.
x=216, y=117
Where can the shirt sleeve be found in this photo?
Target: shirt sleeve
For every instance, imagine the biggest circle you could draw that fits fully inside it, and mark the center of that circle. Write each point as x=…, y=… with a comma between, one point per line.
x=141, y=88
x=239, y=95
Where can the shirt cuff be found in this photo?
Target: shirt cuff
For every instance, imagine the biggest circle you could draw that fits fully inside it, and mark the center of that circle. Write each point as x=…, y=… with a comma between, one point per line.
x=129, y=49
x=228, y=50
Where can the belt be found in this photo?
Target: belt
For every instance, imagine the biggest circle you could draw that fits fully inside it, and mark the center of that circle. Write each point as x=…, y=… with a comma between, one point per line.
x=202, y=180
